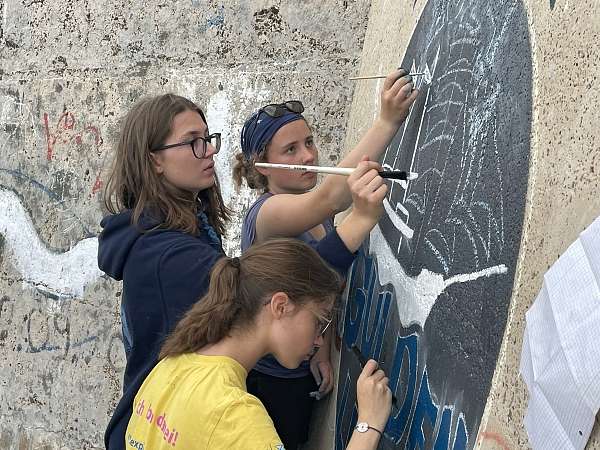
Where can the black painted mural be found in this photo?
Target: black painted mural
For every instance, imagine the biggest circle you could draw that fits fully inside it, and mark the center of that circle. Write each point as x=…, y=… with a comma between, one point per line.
x=429, y=297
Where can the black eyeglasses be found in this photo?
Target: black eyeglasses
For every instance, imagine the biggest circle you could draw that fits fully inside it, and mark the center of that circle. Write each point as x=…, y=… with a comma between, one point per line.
x=198, y=145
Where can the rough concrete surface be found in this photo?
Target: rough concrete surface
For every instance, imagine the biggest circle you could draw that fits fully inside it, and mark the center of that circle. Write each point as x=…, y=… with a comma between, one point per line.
x=563, y=196
x=68, y=72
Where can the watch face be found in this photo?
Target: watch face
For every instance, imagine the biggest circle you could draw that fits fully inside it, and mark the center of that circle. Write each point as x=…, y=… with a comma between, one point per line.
x=362, y=427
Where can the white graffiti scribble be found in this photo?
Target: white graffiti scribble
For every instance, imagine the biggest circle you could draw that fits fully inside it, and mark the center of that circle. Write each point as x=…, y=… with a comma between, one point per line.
x=65, y=274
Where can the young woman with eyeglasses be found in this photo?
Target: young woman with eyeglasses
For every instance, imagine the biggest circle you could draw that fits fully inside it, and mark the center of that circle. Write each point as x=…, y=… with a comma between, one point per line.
x=277, y=298
x=290, y=207
x=162, y=237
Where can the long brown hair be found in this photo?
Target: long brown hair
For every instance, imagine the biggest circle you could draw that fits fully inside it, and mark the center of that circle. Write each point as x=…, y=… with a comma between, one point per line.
x=239, y=287
x=134, y=184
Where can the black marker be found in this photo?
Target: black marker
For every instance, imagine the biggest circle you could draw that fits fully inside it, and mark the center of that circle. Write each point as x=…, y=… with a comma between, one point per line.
x=363, y=361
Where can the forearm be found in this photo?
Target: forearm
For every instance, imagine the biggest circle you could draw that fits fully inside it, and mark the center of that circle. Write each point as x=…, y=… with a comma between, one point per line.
x=354, y=229
x=372, y=144
x=333, y=250
x=289, y=215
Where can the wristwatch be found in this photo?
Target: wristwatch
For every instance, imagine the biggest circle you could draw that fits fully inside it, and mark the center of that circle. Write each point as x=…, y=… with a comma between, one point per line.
x=363, y=427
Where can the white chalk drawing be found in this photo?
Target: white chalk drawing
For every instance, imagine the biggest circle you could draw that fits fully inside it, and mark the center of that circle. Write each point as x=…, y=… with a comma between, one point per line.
x=415, y=296
x=460, y=103
x=447, y=243
x=475, y=124
x=64, y=274
x=401, y=222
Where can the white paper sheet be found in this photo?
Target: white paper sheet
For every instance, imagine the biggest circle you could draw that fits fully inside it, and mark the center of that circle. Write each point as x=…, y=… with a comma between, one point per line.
x=560, y=359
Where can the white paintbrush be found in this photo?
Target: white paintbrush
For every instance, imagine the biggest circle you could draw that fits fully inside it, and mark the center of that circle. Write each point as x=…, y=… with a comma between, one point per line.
x=389, y=174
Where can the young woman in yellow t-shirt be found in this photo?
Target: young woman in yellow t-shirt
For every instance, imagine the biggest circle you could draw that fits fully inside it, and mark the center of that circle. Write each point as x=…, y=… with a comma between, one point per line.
x=276, y=299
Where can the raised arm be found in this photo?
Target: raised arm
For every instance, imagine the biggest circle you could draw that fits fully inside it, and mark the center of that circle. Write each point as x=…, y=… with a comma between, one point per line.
x=293, y=214
x=397, y=97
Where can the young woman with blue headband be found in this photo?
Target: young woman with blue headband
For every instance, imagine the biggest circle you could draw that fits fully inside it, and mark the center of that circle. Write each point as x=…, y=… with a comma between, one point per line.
x=291, y=206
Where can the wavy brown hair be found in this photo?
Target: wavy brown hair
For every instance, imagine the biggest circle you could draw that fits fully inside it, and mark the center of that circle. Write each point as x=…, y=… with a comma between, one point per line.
x=133, y=183
x=244, y=169
x=239, y=288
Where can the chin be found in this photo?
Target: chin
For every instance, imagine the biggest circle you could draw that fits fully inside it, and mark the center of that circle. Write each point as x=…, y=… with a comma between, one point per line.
x=207, y=185
x=288, y=363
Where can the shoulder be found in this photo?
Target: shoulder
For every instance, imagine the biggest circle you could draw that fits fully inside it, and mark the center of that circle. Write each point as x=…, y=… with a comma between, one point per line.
x=188, y=251
x=249, y=224
x=255, y=207
x=245, y=424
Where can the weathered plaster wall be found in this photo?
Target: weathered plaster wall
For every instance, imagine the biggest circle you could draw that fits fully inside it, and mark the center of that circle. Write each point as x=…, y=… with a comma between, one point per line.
x=564, y=187
x=561, y=199
x=68, y=72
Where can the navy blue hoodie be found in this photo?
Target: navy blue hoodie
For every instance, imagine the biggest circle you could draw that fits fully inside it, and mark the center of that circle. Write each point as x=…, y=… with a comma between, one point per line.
x=164, y=273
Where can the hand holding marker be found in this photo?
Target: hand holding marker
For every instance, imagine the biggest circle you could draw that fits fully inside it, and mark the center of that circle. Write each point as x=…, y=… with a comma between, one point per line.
x=389, y=174
x=362, y=361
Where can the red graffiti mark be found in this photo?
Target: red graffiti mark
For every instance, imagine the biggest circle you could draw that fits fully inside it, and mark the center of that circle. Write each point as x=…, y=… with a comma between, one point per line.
x=66, y=133
x=495, y=437
x=68, y=121
x=97, y=185
x=97, y=137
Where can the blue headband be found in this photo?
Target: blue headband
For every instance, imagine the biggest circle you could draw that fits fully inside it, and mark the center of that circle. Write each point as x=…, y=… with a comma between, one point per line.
x=260, y=128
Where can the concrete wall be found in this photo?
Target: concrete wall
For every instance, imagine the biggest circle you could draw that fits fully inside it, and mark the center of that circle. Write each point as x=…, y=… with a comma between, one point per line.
x=457, y=370
x=68, y=72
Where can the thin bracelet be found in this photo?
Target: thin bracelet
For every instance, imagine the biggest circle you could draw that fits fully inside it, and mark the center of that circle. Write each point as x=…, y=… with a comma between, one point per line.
x=375, y=429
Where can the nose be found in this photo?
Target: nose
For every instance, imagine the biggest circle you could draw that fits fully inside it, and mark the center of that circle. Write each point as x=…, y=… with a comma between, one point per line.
x=308, y=156
x=210, y=150
x=318, y=340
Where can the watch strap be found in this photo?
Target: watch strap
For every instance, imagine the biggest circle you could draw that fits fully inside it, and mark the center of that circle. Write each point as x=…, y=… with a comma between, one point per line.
x=375, y=429
x=363, y=427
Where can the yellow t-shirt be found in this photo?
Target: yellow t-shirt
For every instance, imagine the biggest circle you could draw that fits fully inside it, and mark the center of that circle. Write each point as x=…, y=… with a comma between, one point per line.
x=196, y=402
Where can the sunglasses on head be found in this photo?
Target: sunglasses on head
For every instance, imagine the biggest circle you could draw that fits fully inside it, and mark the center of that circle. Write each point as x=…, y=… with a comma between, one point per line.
x=280, y=109
x=275, y=110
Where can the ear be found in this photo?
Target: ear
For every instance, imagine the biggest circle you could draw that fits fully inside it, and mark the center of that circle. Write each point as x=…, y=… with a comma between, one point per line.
x=157, y=162
x=265, y=158
x=263, y=171
x=280, y=305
